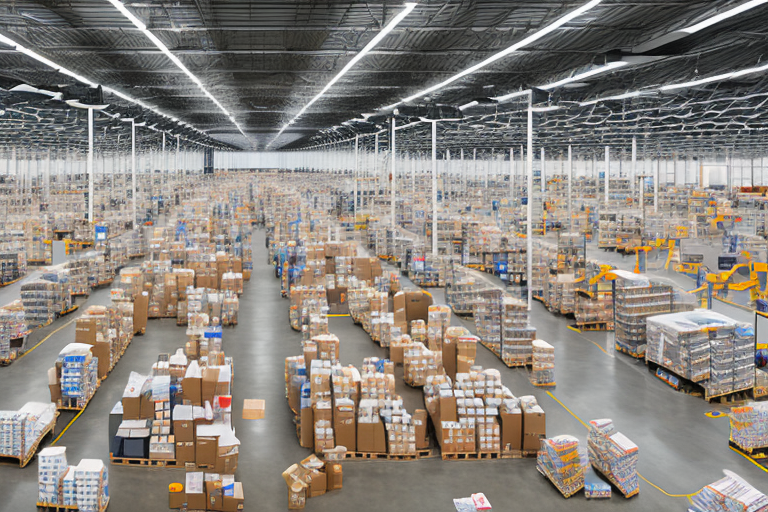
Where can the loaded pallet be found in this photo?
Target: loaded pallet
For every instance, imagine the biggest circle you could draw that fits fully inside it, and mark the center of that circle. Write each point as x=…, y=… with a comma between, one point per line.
x=565, y=493
x=613, y=482
x=596, y=326
x=420, y=454
x=470, y=455
x=689, y=387
x=23, y=461
x=54, y=506
x=62, y=407
x=758, y=455
x=160, y=463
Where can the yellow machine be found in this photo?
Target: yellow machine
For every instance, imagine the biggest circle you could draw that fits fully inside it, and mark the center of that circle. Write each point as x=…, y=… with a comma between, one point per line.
x=717, y=283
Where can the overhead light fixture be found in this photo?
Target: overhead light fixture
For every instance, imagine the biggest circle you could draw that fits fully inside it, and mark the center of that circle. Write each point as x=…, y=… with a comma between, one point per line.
x=512, y=95
x=161, y=46
x=625, y=96
x=469, y=105
x=581, y=76
x=39, y=58
x=504, y=53
x=409, y=6
x=671, y=37
x=716, y=78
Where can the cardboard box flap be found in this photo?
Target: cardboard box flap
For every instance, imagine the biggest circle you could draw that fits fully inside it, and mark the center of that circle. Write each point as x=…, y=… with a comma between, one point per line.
x=223, y=432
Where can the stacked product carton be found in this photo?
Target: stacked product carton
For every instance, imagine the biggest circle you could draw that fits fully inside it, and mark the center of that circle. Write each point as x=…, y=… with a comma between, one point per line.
x=560, y=461
x=729, y=493
x=543, y=368
x=51, y=468
x=613, y=455
x=207, y=491
x=749, y=425
x=21, y=430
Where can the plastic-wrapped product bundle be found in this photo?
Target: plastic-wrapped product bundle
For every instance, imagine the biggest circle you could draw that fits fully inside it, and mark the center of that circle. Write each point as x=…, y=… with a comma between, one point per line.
x=749, y=425
x=560, y=461
x=69, y=488
x=543, y=368
x=51, y=467
x=92, y=485
x=730, y=493
x=614, y=455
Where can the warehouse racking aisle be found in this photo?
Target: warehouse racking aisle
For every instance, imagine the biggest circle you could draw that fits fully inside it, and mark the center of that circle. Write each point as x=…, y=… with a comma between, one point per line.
x=680, y=448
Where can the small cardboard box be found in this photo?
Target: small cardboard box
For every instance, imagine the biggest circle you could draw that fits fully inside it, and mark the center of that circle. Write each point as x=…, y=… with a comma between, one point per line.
x=371, y=438
x=184, y=430
x=131, y=407
x=147, y=408
x=176, y=499
x=206, y=452
x=214, y=497
x=253, y=409
x=196, y=501
x=344, y=427
x=235, y=502
x=209, y=383
x=55, y=390
x=334, y=475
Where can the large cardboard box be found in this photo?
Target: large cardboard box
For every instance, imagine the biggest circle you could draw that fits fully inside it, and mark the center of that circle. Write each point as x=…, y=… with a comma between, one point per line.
x=184, y=430
x=209, y=383
x=196, y=501
x=176, y=499
x=131, y=407
x=420, y=423
x=371, y=438
x=307, y=428
x=449, y=357
x=55, y=390
x=226, y=464
x=102, y=350
x=147, y=408
x=214, y=496
x=206, y=452
x=344, y=427
x=87, y=329
x=318, y=483
x=411, y=305
x=140, y=312
x=534, y=430
x=511, y=431
x=448, y=411
x=192, y=390
x=185, y=452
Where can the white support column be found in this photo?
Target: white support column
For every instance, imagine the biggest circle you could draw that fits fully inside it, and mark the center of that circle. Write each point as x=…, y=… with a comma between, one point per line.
x=133, y=173
x=446, y=175
x=357, y=164
x=47, y=183
x=393, y=184
x=511, y=175
x=434, y=188
x=376, y=165
x=634, y=163
x=529, y=208
x=462, y=180
x=90, y=165
x=607, y=174
x=656, y=186
x=543, y=176
x=570, y=188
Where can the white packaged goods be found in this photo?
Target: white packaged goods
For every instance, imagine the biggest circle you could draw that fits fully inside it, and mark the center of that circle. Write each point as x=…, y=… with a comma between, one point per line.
x=51, y=467
x=543, y=368
x=92, y=486
x=704, y=347
x=614, y=456
x=79, y=372
x=69, y=488
x=20, y=430
x=728, y=494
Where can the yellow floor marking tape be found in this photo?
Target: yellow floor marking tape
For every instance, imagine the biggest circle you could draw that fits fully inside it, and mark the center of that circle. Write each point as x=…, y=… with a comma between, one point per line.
x=65, y=428
x=22, y=356
x=337, y=315
x=750, y=459
x=574, y=329
x=553, y=397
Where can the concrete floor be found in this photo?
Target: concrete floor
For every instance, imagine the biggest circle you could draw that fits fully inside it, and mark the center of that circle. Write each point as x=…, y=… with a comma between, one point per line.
x=680, y=448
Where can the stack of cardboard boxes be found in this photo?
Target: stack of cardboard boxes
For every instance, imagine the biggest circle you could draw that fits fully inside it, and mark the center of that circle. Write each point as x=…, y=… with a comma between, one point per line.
x=207, y=491
x=310, y=478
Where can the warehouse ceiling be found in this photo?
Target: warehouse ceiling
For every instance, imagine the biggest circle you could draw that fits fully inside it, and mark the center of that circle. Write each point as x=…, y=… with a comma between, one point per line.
x=264, y=61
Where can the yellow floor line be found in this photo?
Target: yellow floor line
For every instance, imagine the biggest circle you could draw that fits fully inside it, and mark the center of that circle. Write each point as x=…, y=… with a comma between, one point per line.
x=65, y=428
x=553, y=397
x=574, y=329
x=750, y=459
x=22, y=356
x=337, y=315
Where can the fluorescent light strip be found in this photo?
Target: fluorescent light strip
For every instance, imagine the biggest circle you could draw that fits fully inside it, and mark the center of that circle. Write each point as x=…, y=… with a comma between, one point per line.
x=64, y=71
x=504, y=53
x=633, y=94
x=723, y=16
x=362, y=53
x=587, y=74
x=160, y=46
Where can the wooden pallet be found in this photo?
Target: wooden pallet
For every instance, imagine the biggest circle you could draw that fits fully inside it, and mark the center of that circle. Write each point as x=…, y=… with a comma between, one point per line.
x=75, y=408
x=759, y=455
x=160, y=463
x=696, y=389
x=53, y=506
x=518, y=454
x=595, y=326
x=613, y=482
x=23, y=461
x=623, y=350
x=68, y=311
x=545, y=385
x=420, y=454
x=471, y=455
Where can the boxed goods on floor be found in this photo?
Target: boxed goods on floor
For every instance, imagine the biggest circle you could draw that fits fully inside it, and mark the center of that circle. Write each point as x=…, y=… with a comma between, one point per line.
x=637, y=298
x=84, y=487
x=560, y=461
x=543, y=367
x=21, y=431
x=12, y=327
x=729, y=493
x=207, y=491
x=749, y=426
x=75, y=377
x=704, y=347
x=310, y=478
x=614, y=456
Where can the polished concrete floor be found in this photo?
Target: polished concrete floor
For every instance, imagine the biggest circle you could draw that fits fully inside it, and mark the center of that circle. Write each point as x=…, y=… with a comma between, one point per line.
x=680, y=448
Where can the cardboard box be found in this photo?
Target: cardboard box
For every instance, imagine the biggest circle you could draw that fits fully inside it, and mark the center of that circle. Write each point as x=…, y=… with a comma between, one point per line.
x=102, y=350
x=411, y=305
x=253, y=409
x=147, y=408
x=420, y=422
x=185, y=452
x=209, y=383
x=196, y=501
x=184, y=430
x=86, y=330
x=371, y=438
x=214, y=497
x=192, y=390
x=307, y=428
x=449, y=357
x=344, y=427
x=55, y=390
x=511, y=431
x=334, y=475
x=176, y=499
x=237, y=501
x=318, y=483
x=206, y=452
x=448, y=410
x=226, y=464
x=140, y=312
x=534, y=429
x=131, y=407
